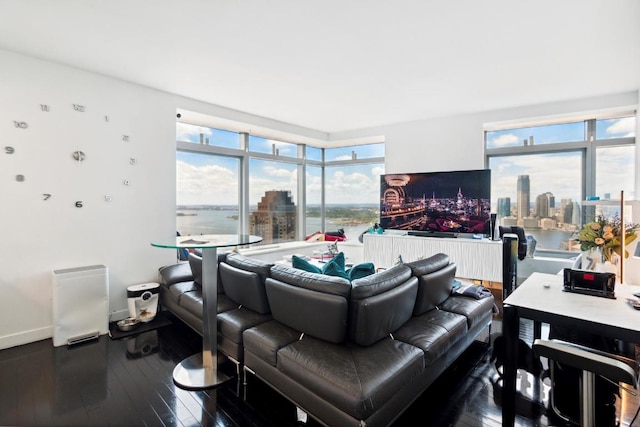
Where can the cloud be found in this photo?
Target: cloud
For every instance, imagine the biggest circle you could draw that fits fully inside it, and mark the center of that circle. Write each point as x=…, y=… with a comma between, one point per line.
x=209, y=184
x=625, y=126
x=191, y=133
x=505, y=140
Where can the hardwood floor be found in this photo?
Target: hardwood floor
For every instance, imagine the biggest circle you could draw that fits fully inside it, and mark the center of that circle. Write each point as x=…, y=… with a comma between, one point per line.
x=127, y=382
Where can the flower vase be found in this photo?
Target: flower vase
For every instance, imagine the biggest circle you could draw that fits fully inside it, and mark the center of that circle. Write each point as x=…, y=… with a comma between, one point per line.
x=610, y=267
x=591, y=259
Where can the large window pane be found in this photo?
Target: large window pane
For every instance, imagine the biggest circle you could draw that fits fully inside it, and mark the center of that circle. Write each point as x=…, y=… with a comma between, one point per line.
x=352, y=197
x=536, y=135
x=314, y=199
x=620, y=127
x=272, y=203
x=258, y=144
x=206, y=194
x=541, y=193
x=615, y=170
x=207, y=136
x=366, y=151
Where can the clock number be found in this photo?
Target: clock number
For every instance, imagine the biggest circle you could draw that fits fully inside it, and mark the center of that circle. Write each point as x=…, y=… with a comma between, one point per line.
x=20, y=125
x=132, y=161
x=125, y=138
x=127, y=182
x=106, y=118
x=79, y=156
x=44, y=107
x=20, y=178
x=9, y=150
x=46, y=196
x=79, y=204
x=79, y=108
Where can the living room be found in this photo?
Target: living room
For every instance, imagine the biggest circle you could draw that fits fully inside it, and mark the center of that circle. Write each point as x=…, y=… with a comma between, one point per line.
x=89, y=158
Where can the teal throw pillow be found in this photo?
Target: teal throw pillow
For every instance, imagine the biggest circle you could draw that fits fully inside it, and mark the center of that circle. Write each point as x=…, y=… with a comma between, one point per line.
x=361, y=270
x=335, y=267
x=303, y=264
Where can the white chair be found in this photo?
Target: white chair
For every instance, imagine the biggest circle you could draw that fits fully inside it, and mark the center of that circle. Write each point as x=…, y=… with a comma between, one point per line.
x=591, y=362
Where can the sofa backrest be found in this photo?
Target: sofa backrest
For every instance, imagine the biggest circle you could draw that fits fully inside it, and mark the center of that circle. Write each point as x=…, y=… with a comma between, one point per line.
x=244, y=287
x=312, y=303
x=261, y=268
x=435, y=280
x=195, y=262
x=381, y=303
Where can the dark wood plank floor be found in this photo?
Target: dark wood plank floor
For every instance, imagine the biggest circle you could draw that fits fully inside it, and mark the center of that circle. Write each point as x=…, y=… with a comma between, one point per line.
x=127, y=382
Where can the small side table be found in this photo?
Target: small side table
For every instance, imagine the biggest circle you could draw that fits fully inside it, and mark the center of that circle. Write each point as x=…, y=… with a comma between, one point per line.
x=200, y=371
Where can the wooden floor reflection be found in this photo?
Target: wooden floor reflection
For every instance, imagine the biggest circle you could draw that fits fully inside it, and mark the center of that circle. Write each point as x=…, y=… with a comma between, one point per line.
x=128, y=382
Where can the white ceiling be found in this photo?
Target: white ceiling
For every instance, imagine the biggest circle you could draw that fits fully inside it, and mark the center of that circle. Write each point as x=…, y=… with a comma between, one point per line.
x=338, y=65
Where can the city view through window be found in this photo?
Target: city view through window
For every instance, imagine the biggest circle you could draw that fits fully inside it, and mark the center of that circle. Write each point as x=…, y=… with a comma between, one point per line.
x=209, y=182
x=538, y=176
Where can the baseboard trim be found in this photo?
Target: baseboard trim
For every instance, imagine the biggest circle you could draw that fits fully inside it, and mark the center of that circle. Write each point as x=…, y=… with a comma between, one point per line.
x=25, y=337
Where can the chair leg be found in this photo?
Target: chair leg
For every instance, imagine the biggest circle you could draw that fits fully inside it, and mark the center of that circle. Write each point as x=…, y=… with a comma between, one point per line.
x=587, y=406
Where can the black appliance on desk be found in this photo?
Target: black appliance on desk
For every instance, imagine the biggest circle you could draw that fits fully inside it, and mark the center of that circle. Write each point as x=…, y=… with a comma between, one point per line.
x=514, y=249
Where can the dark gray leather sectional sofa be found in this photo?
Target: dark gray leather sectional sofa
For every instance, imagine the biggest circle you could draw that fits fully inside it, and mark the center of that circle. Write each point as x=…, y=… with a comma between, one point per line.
x=347, y=353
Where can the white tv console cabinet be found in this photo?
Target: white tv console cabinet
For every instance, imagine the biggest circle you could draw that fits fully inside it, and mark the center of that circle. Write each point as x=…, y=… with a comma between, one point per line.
x=476, y=259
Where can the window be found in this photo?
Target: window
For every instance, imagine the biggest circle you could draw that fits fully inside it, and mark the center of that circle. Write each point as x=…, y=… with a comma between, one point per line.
x=207, y=136
x=258, y=144
x=352, y=197
x=230, y=182
x=366, y=151
x=272, y=200
x=206, y=194
x=539, y=181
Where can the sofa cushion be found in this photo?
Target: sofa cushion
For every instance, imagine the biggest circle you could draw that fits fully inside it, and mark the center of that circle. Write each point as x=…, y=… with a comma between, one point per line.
x=435, y=275
x=265, y=339
x=358, y=380
x=435, y=332
x=361, y=270
x=311, y=303
x=244, y=287
x=233, y=323
x=263, y=269
x=195, y=262
x=175, y=273
x=303, y=264
x=335, y=266
x=475, y=310
x=381, y=303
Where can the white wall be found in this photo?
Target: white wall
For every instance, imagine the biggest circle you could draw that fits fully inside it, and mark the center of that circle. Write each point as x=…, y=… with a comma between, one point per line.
x=39, y=236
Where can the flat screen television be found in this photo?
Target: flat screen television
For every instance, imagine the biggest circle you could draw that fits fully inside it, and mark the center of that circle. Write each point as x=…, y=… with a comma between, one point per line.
x=437, y=202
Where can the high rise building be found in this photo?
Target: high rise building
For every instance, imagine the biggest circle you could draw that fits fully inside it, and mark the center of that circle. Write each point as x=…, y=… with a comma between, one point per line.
x=524, y=205
x=545, y=204
x=275, y=218
x=504, y=207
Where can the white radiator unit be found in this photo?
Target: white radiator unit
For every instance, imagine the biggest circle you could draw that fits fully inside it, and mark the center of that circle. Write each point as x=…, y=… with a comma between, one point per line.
x=80, y=304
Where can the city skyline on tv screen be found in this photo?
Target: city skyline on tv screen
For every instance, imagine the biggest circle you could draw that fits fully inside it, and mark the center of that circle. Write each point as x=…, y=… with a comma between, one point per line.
x=453, y=201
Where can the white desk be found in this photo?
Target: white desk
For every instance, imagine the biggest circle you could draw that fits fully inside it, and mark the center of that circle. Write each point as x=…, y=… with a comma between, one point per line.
x=614, y=318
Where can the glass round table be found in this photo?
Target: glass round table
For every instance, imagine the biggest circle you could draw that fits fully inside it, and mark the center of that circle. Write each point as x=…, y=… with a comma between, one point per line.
x=200, y=370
